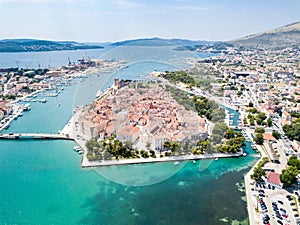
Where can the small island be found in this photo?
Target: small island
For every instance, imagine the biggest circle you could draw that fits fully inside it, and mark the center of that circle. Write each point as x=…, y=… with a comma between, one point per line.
x=138, y=122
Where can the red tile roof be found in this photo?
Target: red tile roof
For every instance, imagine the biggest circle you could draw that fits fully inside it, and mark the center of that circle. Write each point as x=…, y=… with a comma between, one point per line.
x=268, y=137
x=274, y=178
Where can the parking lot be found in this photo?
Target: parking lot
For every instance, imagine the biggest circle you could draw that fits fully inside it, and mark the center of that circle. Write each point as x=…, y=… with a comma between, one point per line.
x=276, y=206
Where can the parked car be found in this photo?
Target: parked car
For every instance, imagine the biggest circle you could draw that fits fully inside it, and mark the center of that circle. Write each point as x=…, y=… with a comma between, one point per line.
x=282, y=210
x=280, y=222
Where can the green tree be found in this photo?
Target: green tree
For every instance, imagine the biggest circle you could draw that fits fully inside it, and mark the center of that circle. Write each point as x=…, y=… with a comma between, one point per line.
x=174, y=146
x=259, y=130
x=251, y=120
x=262, y=116
x=92, y=144
x=229, y=133
x=220, y=128
x=107, y=155
x=167, y=144
x=216, y=138
x=292, y=130
x=250, y=104
x=294, y=161
x=253, y=110
x=258, y=172
x=269, y=122
x=250, y=116
x=276, y=134
x=152, y=154
x=144, y=154
x=289, y=176
x=259, y=138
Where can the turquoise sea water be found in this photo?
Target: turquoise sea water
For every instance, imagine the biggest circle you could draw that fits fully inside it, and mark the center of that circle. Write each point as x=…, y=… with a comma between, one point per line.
x=42, y=182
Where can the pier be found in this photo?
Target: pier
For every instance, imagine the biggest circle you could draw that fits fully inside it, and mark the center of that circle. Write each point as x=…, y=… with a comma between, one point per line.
x=35, y=136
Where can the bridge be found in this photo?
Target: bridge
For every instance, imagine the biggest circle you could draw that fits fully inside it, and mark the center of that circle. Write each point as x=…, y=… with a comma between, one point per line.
x=35, y=136
x=235, y=127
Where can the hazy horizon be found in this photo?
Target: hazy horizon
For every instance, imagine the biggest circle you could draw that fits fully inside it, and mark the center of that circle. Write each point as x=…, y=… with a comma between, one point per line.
x=118, y=20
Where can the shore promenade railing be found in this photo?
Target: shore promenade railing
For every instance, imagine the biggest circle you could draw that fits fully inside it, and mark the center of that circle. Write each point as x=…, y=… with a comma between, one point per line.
x=34, y=136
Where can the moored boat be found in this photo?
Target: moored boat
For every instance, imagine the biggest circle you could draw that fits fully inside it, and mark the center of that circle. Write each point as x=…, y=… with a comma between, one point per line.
x=44, y=100
x=77, y=148
x=26, y=107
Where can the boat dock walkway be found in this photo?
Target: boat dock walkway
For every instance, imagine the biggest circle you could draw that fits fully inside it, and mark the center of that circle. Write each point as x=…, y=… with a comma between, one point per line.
x=34, y=136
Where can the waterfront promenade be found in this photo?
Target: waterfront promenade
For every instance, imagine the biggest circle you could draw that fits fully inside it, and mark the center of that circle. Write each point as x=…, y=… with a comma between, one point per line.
x=71, y=131
x=254, y=215
x=34, y=136
x=86, y=163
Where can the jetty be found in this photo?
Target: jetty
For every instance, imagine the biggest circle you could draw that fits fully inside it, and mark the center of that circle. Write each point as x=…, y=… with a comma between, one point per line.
x=35, y=136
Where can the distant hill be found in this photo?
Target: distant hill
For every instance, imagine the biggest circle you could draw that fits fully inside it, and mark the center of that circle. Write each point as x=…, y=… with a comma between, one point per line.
x=33, y=45
x=282, y=37
x=160, y=42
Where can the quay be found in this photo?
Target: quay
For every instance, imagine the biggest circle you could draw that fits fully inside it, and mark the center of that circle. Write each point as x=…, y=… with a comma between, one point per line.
x=35, y=136
x=179, y=158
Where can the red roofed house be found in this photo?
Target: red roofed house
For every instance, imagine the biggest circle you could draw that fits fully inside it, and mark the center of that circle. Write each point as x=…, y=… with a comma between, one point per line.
x=274, y=180
x=268, y=137
x=128, y=133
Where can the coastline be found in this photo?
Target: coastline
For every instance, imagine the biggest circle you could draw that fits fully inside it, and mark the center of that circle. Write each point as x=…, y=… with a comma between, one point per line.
x=80, y=139
x=86, y=163
x=18, y=107
x=252, y=200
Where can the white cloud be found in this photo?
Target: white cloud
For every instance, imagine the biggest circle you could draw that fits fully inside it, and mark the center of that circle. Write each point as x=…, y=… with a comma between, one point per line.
x=191, y=8
x=129, y=4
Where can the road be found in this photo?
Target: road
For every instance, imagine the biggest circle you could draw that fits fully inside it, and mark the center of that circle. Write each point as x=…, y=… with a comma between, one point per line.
x=5, y=91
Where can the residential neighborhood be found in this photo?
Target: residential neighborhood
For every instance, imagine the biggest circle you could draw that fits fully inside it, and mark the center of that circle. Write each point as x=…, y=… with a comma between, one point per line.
x=263, y=85
x=143, y=114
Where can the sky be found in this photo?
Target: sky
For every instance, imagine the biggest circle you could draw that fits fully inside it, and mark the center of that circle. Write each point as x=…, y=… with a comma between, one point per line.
x=116, y=20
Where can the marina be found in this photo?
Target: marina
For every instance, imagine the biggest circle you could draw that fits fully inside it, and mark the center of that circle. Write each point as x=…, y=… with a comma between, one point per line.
x=17, y=111
x=52, y=170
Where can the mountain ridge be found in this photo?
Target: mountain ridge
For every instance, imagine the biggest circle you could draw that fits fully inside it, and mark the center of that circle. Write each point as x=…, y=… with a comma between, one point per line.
x=35, y=45
x=277, y=38
x=161, y=41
